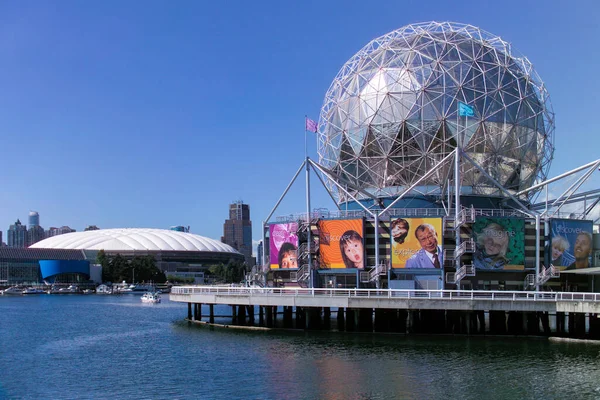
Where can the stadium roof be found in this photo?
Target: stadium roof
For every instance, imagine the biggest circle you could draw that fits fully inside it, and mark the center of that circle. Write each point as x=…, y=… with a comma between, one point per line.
x=133, y=239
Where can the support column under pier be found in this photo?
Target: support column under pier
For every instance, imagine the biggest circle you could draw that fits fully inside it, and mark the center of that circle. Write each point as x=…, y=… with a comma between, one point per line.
x=234, y=318
x=365, y=320
x=300, y=318
x=197, y=312
x=594, y=322
x=515, y=323
x=497, y=322
x=261, y=316
x=577, y=325
x=250, y=312
x=241, y=315
x=313, y=319
x=341, y=320
x=327, y=318
x=211, y=317
x=400, y=324
x=545, y=320
x=533, y=324
x=269, y=316
x=189, y=311
x=351, y=320
x=560, y=323
x=288, y=317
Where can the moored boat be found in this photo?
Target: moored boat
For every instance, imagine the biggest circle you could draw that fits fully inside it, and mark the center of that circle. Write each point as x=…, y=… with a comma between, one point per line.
x=13, y=290
x=151, y=297
x=32, y=290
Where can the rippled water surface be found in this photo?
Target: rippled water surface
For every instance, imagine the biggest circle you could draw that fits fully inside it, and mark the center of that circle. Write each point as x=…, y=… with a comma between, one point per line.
x=88, y=347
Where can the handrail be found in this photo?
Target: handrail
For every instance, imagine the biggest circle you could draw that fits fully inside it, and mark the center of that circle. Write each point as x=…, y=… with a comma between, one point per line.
x=499, y=295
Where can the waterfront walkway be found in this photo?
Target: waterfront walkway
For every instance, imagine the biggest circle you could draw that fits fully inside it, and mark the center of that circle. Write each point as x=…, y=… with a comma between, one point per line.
x=477, y=300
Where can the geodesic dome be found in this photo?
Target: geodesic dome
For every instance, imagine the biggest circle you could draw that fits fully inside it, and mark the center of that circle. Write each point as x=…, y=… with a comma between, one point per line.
x=391, y=114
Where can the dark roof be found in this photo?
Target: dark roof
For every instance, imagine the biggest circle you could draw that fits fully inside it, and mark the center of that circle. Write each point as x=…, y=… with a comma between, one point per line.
x=12, y=253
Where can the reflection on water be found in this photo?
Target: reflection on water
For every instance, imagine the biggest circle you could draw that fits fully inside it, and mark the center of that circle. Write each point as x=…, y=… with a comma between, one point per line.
x=77, y=347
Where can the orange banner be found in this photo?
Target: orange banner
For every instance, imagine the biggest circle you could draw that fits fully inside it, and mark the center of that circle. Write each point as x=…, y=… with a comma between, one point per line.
x=341, y=244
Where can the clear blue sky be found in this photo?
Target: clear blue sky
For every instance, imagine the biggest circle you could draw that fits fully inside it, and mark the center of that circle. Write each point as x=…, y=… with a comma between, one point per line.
x=157, y=113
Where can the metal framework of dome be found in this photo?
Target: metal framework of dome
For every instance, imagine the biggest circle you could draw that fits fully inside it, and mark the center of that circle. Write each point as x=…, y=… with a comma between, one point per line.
x=391, y=115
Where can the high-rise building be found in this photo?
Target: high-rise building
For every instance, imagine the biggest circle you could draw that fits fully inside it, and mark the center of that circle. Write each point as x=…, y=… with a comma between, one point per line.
x=237, y=230
x=53, y=231
x=180, y=228
x=35, y=233
x=259, y=255
x=34, y=218
x=17, y=235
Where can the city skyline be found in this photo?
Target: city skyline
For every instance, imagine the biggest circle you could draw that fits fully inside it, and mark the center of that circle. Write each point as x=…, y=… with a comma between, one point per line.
x=161, y=115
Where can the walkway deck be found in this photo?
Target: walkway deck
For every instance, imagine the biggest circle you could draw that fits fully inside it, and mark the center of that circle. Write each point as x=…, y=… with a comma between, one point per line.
x=391, y=299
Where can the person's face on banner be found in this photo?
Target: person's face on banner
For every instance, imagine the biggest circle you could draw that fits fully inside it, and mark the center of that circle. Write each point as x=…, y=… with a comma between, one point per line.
x=582, y=247
x=556, y=252
x=428, y=240
x=399, y=232
x=289, y=260
x=354, y=251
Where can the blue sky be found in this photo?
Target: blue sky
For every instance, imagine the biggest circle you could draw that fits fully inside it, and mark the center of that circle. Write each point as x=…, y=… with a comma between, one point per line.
x=156, y=113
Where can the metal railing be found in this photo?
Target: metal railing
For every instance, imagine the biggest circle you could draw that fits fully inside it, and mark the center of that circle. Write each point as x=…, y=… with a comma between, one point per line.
x=403, y=212
x=498, y=295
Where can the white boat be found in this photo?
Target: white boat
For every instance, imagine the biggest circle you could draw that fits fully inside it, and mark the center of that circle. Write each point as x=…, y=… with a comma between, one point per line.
x=151, y=297
x=32, y=290
x=13, y=290
x=104, y=289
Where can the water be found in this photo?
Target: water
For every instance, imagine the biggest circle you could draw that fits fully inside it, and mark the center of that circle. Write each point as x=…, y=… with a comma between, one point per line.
x=98, y=347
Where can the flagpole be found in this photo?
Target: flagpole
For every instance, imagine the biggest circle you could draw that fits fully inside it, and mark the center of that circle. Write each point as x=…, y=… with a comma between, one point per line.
x=305, y=151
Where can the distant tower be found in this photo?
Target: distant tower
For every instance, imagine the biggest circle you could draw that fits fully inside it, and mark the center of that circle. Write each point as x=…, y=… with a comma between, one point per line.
x=180, y=228
x=259, y=255
x=34, y=218
x=237, y=230
x=17, y=235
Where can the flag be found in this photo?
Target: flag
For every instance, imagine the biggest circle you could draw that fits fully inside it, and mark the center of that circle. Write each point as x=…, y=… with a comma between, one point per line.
x=311, y=125
x=465, y=110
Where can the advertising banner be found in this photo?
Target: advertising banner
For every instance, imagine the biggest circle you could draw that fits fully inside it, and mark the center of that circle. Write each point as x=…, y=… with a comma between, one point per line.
x=416, y=243
x=341, y=244
x=570, y=243
x=499, y=244
x=283, y=248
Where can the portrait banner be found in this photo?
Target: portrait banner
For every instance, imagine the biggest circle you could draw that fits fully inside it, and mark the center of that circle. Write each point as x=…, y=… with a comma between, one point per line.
x=499, y=244
x=570, y=244
x=341, y=244
x=283, y=247
x=416, y=243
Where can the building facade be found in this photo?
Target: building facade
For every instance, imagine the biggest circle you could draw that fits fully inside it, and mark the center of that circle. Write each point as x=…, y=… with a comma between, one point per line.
x=17, y=235
x=237, y=230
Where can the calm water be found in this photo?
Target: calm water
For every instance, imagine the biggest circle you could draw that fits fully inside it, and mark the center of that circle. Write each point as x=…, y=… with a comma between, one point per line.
x=98, y=347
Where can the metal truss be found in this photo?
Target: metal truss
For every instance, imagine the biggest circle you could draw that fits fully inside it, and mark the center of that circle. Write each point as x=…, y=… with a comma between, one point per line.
x=391, y=115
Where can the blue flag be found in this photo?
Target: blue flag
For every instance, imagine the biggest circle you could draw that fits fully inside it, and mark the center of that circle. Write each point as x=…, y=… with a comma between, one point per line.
x=465, y=110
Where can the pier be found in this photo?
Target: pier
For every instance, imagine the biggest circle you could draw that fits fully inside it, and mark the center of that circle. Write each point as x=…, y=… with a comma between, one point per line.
x=402, y=311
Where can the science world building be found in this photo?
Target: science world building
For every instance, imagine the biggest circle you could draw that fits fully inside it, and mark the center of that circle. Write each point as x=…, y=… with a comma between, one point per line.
x=71, y=257
x=435, y=143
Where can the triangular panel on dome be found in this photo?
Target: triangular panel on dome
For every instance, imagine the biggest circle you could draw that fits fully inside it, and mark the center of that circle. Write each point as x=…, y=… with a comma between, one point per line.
x=371, y=146
x=356, y=138
x=385, y=114
x=385, y=134
x=415, y=127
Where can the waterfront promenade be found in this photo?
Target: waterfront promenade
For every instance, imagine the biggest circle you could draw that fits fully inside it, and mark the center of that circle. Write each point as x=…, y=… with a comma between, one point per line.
x=571, y=314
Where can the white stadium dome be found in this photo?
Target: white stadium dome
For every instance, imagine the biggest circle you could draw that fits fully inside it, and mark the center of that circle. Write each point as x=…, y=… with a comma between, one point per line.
x=134, y=239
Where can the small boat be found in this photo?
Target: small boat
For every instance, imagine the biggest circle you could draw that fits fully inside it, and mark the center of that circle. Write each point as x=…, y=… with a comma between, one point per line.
x=151, y=297
x=13, y=290
x=32, y=290
x=104, y=289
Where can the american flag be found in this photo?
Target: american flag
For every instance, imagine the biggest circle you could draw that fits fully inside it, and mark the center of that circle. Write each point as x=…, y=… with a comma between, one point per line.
x=311, y=125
